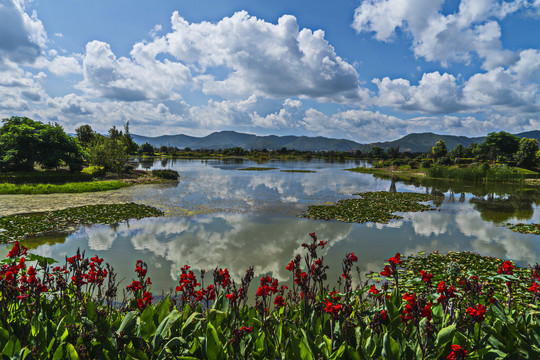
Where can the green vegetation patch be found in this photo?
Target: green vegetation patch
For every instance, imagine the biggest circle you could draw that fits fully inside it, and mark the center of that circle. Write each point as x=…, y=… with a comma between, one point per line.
x=44, y=177
x=17, y=227
x=166, y=174
x=298, y=171
x=258, y=168
x=79, y=187
x=377, y=206
x=523, y=228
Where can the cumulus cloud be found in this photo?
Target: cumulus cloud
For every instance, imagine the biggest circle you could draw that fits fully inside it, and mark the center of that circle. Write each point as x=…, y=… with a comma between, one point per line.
x=274, y=60
x=22, y=37
x=140, y=78
x=472, y=30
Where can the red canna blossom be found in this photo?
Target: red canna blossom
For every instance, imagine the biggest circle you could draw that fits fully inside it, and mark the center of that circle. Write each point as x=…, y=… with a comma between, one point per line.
x=332, y=309
x=352, y=257
x=457, y=353
x=246, y=329
x=373, y=290
x=426, y=277
x=134, y=286
x=395, y=259
x=477, y=312
x=96, y=260
x=290, y=267
x=224, y=279
x=534, y=288
x=426, y=312
x=445, y=292
x=383, y=315
x=279, y=301
x=17, y=250
x=506, y=268
x=387, y=271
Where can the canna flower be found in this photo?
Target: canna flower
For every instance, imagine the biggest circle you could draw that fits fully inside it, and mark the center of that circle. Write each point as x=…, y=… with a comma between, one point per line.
x=387, y=271
x=477, y=312
x=395, y=259
x=426, y=277
x=457, y=353
x=332, y=309
x=279, y=301
x=373, y=290
x=506, y=268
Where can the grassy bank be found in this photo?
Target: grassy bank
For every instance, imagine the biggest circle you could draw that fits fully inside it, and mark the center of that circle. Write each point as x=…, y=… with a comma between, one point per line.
x=427, y=307
x=78, y=187
x=17, y=227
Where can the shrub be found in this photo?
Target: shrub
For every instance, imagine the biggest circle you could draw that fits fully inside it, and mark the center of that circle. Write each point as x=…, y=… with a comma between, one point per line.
x=426, y=164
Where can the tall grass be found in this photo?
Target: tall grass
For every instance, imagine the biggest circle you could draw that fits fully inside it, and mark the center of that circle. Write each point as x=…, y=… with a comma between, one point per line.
x=478, y=173
x=44, y=177
x=80, y=187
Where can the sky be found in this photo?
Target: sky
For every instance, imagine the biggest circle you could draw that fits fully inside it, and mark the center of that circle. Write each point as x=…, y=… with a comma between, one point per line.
x=365, y=70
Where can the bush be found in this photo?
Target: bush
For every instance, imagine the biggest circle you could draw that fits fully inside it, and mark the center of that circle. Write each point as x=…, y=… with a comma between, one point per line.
x=426, y=164
x=166, y=174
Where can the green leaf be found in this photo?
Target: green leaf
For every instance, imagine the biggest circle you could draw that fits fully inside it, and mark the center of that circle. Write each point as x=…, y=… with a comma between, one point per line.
x=12, y=347
x=214, y=348
x=59, y=353
x=390, y=348
x=72, y=353
x=162, y=310
x=445, y=335
x=129, y=323
x=91, y=310
x=147, y=328
x=163, y=328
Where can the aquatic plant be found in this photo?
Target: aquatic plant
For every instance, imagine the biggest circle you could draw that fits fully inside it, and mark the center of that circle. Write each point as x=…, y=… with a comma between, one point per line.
x=377, y=206
x=18, y=227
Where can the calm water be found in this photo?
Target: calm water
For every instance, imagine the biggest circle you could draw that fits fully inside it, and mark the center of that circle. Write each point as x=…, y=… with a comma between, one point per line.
x=219, y=216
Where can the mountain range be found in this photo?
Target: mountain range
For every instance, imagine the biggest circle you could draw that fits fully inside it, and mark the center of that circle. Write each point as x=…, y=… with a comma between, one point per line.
x=417, y=142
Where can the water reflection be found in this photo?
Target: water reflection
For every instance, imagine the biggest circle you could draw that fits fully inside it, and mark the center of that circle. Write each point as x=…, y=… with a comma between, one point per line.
x=253, y=221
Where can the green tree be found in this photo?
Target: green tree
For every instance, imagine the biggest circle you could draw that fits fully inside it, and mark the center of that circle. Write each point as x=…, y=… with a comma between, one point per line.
x=439, y=150
x=526, y=155
x=393, y=152
x=457, y=152
x=24, y=142
x=501, y=145
x=85, y=134
x=129, y=143
x=147, y=148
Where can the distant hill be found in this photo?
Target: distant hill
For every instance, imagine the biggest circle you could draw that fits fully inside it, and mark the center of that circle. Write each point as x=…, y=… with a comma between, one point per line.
x=229, y=139
x=417, y=142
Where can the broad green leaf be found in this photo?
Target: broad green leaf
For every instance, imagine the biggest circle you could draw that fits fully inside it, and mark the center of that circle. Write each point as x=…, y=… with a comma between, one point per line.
x=129, y=323
x=390, y=348
x=214, y=348
x=163, y=328
x=71, y=352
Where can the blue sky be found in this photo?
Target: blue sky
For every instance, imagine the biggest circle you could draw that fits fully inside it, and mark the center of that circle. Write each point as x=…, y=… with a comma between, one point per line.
x=370, y=70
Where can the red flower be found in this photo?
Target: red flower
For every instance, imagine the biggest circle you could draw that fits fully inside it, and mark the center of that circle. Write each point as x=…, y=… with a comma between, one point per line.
x=17, y=250
x=373, y=290
x=395, y=260
x=332, y=309
x=246, y=329
x=426, y=277
x=290, y=267
x=352, y=257
x=279, y=301
x=97, y=260
x=457, y=353
x=387, y=271
x=534, y=288
x=426, y=312
x=384, y=315
x=477, y=312
x=506, y=268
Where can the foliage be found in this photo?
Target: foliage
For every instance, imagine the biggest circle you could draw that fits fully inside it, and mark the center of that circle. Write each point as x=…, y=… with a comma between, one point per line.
x=24, y=142
x=430, y=307
x=166, y=174
x=372, y=206
x=44, y=177
x=439, y=150
x=483, y=172
x=257, y=168
x=298, y=171
x=16, y=227
x=78, y=187
x=524, y=228
x=501, y=144
x=147, y=149
x=526, y=155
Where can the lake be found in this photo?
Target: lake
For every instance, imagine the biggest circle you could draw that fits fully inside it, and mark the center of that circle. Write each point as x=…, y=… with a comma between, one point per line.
x=219, y=216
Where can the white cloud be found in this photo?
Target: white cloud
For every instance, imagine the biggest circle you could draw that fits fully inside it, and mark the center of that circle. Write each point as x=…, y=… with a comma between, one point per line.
x=435, y=93
x=124, y=79
x=472, y=30
x=22, y=37
x=273, y=60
